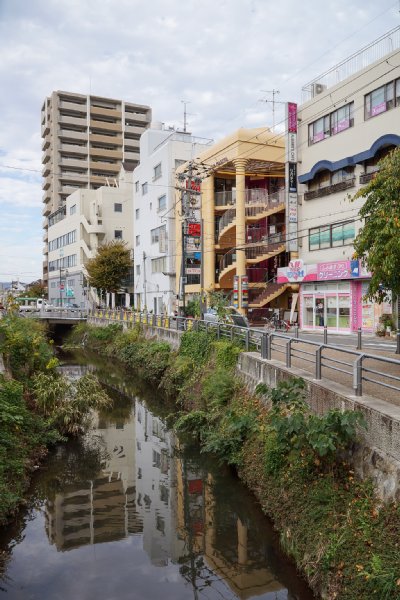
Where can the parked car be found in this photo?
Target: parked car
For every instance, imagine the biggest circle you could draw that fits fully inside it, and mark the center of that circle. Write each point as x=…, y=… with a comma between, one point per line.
x=233, y=317
x=71, y=306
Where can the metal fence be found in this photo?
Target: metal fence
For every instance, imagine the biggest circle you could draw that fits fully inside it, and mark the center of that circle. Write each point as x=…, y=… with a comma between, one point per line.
x=350, y=367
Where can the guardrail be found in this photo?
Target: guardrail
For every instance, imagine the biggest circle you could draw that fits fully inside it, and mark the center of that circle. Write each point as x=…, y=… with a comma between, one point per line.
x=73, y=313
x=356, y=367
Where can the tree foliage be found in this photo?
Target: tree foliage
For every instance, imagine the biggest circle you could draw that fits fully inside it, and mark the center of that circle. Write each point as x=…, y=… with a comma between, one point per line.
x=378, y=241
x=109, y=267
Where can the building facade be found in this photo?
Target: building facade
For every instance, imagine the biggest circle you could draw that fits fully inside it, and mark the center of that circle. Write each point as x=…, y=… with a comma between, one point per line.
x=345, y=128
x=86, y=220
x=85, y=141
x=241, y=190
x=161, y=152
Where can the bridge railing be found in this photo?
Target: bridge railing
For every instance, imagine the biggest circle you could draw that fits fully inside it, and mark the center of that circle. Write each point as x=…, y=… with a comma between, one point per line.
x=319, y=359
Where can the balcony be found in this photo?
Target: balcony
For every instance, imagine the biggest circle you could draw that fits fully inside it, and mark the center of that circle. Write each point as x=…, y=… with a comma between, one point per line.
x=228, y=198
x=78, y=122
x=45, y=143
x=114, y=140
x=256, y=207
x=46, y=156
x=73, y=106
x=330, y=189
x=138, y=129
x=94, y=152
x=111, y=168
x=105, y=125
x=46, y=184
x=46, y=210
x=70, y=134
x=46, y=170
x=135, y=156
x=367, y=177
x=106, y=112
x=136, y=118
x=74, y=163
x=46, y=129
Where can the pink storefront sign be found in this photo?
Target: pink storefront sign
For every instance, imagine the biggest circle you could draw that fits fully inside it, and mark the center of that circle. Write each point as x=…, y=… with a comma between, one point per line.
x=333, y=270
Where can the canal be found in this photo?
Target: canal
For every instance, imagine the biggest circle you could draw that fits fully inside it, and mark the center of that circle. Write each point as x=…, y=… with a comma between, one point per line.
x=127, y=512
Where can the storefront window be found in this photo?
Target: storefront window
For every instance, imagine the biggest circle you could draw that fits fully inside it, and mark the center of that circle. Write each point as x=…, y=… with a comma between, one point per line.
x=344, y=312
x=308, y=311
x=319, y=312
x=331, y=311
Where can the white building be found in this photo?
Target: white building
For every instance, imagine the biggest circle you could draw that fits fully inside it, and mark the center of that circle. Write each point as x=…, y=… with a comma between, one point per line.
x=75, y=231
x=161, y=152
x=349, y=122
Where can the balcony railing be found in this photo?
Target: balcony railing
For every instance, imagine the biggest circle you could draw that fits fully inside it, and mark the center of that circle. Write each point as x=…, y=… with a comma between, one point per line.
x=366, y=177
x=255, y=205
x=272, y=244
x=330, y=189
x=228, y=198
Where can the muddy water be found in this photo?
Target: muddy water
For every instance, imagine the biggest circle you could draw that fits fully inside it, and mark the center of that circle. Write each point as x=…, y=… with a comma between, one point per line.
x=128, y=514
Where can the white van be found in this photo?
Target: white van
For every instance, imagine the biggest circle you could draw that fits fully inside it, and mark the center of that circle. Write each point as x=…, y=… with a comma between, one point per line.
x=33, y=305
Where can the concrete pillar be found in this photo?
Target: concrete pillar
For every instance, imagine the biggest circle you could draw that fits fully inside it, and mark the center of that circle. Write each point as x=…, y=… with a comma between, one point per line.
x=242, y=542
x=240, y=165
x=208, y=213
x=113, y=300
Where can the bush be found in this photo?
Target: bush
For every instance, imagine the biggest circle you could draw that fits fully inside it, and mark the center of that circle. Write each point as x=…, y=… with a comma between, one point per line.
x=218, y=388
x=226, y=354
x=196, y=345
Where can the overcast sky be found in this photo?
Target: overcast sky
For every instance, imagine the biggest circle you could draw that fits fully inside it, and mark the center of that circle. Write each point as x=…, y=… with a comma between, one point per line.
x=219, y=55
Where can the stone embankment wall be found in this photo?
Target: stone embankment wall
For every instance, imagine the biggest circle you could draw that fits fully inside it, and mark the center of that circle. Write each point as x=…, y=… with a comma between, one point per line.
x=376, y=454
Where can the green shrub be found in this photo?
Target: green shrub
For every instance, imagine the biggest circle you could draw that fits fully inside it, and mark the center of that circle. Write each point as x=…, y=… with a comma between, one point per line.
x=196, y=345
x=218, y=388
x=226, y=354
x=153, y=358
x=226, y=439
x=179, y=372
x=194, y=423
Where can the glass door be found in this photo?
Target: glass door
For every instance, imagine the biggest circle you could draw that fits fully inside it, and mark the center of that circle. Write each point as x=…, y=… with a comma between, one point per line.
x=320, y=316
x=331, y=312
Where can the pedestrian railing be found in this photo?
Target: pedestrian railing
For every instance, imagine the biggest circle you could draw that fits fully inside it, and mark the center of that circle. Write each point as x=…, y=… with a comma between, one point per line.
x=319, y=359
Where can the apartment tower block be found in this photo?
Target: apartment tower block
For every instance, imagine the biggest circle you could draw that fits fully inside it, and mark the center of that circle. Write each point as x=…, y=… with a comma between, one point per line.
x=85, y=141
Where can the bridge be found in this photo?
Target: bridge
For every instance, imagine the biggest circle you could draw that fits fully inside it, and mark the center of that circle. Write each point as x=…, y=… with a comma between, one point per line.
x=58, y=317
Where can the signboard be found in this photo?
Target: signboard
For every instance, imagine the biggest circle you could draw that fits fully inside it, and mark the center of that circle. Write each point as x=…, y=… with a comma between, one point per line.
x=194, y=229
x=236, y=291
x=192, y=244
x=192, y=270
x=245, y=291
x=291, y=178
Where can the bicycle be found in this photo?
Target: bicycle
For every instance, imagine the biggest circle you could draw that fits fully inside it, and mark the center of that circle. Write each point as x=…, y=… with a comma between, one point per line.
x=276, y=323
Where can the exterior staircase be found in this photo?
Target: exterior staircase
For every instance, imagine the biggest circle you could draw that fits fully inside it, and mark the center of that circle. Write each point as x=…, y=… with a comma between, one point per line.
x=271, y=291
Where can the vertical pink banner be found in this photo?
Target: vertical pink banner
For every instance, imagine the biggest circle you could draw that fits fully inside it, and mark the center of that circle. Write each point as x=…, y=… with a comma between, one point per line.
x=356, y=305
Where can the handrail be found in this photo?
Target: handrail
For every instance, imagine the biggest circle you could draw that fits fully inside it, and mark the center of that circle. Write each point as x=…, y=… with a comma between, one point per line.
x=265, y=342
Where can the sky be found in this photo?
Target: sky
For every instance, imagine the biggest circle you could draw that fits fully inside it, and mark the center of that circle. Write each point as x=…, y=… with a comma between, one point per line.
x=223, y=57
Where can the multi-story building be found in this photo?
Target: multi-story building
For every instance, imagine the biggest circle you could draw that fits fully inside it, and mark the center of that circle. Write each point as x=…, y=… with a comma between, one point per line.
x=85, y=141
x=347, y=124
x=243, y=221
x=87, y=219
x=161, y=152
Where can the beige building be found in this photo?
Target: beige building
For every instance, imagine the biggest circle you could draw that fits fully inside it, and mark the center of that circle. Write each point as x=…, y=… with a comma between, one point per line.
x=240, y=199
x=350, y=120
x=85, y=141
x=87, y=219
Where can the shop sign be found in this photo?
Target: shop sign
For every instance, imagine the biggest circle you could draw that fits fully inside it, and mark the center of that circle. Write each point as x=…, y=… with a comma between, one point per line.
x=293, y=177
x=236, y=291
x=292, y=208
x=295, y=270
x=192, y=270
x=245, y=290
x=333, y=270
x=292, y=117
x=194, y=229
x=192, y=244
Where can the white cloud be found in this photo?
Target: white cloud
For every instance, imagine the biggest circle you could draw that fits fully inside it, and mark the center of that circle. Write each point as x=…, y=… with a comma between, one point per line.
x=219, y=55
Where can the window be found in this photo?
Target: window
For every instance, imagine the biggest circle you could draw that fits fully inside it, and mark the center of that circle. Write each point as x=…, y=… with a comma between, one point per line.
x=382, y=99
x=71, y=283
x=117, y=207
x=53, y=284
x=337, y=121
x=137, y=270
x=62, y=240
x=137, y=213
x=118, y=234
x=136, y=186
x=144, y=188
x=159, y=265
x=157, y=172
x=137, y=240
x=162, y=203
x=179, y=162
x=331, y=236
x=72, y=209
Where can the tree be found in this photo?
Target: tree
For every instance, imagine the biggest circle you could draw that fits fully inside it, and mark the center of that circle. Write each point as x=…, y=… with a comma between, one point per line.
x=109, y=267
x=35, y=290
x=377, y=244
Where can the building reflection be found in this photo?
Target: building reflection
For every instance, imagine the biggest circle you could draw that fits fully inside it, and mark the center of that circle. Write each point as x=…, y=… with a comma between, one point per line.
x=179, y=508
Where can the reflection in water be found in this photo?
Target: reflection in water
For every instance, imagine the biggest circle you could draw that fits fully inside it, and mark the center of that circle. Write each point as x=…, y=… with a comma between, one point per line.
x=128, y=489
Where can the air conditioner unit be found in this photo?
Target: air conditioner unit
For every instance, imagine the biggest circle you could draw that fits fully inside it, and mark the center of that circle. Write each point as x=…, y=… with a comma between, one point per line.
x=317, y=88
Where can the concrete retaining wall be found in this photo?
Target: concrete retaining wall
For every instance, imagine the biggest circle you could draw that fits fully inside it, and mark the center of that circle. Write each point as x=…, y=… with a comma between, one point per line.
x=377, y=453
